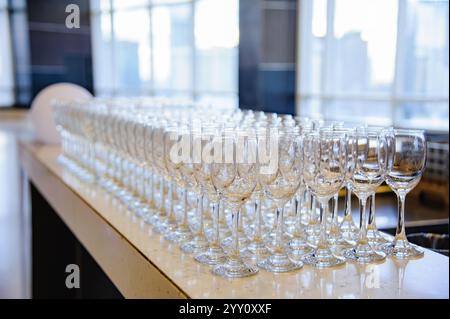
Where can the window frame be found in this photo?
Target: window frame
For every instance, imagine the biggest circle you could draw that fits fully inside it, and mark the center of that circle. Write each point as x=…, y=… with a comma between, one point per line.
x=194, y=93
x=395, y=98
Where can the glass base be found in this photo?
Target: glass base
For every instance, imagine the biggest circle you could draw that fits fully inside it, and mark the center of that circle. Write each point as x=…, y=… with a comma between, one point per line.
x=180, y=235
x=234, y=268
x=402, y=249
x=364, y=254
x=376, y=238
x=298, y=248
x=279, y=263
x=348, y=225
x=152, y=218
x=197, y=245
x=335, y=239
x=160, y=225
x=142, y=210
x=214, y=256
x=322, y=258
x=166, y=227
x=349, y=231
x=227, y=242
x=256, y=249
x=271, y=242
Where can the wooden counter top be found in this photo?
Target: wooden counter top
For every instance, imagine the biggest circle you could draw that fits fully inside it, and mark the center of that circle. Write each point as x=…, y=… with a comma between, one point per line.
x=143, y=265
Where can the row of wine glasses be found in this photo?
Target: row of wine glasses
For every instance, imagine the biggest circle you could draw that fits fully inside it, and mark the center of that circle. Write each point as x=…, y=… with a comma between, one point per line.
x=238, y=189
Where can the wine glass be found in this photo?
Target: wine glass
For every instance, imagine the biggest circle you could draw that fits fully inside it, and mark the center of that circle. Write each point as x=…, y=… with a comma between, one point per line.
x=202, y=170
x=159, y=162
x=198, y=243
x=256, y=247
x=175, y=156
x=233, y=173
x=371, y=160
x=347, y=228
x=376, y=238
x=152, y=217
x=406, y=163
x=324, y=156
x=280, y=181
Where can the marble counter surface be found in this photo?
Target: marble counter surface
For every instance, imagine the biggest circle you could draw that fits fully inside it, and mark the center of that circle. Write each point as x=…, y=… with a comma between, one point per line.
x=142, y=264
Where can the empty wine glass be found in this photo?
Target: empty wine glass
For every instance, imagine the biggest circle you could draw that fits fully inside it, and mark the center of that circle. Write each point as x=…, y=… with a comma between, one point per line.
x=280, y=180
x=348, y=232
x=406, y=163
x=159, y=162
x=153, y=215
x=256, y=247
x=376, y=238
x=371, y=157
x=324, y=156
x=202, y=170
x=234, y=175
x=198, y=243
x=174, y=148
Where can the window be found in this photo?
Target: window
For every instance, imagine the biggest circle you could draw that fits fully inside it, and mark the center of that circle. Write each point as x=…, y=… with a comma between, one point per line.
x=175, y=48
x=6, y=71
x=384, y=62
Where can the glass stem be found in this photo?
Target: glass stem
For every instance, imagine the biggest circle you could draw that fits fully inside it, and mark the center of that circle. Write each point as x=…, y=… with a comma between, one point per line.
x=234, y=252
x=308, y=204
x=323, y=224
x=135, y=171
x=258, y=218
x=184, y=220
x=334, y=217
x=119, y=169
x=241, y=220
x=200, y=217
x=163, y=197
x=372, y=224
x=279, y=222
x=171, y=213
x=348, y=203
x=314, y=209
x=152, y=189
x=362, y=220
x=142, y=184
x=222, y=216
x=298, y=213
x=400, y=233
x=207, y=214
x=216, y=211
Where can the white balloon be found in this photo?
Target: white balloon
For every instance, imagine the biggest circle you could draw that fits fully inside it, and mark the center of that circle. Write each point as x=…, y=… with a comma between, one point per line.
x=41, y=109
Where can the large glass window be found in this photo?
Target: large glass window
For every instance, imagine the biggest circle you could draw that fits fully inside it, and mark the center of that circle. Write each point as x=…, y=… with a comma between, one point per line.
x=385, y=62
x=180, y=48
x=6, y=71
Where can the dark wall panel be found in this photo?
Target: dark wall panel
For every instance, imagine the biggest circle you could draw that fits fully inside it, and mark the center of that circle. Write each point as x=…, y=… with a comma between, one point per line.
x=267, y=54
x=279, y=91
x=57, y=53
